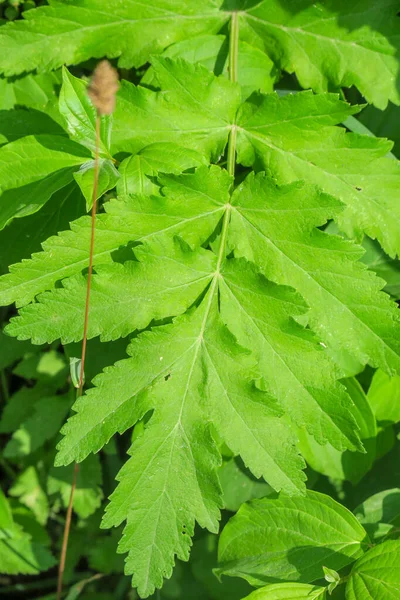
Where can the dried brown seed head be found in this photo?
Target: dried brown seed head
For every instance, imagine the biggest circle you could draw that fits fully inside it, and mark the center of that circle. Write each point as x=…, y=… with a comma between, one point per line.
x=103, y=88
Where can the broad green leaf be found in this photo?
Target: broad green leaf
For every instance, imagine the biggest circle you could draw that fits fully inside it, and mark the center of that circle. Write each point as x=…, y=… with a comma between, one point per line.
x=107, y=179
x=44, y=422
x=277, y=229
x=376, y=576
x=88, y=493
x=351, y=466
x=22, y=237
x=291, y=137
x=190, y=372
x=18, y=123
x=256, y=71
x=380, y=513
x=32, y=169
x=384, y=397
x=294, y=366
x=288, y=591
x=239, y=485
x=191, y=205
x=32, y=158
x=289, y=539
x=54, y=35
x=164, y=280
x=28, y=489
x=19, y=554
x=333, y=43
x=138, y=171
x=194, y=109
x=36, y=91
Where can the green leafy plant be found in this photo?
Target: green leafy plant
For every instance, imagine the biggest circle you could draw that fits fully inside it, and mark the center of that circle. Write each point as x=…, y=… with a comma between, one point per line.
x=277, y=539
x=244, y=288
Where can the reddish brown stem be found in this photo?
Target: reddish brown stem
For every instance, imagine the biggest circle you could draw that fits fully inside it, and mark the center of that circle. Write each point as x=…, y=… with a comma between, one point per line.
x=68, y=518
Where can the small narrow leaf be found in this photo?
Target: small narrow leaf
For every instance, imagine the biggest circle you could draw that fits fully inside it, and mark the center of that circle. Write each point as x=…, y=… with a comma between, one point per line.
x=107, y=179
x=80, y=115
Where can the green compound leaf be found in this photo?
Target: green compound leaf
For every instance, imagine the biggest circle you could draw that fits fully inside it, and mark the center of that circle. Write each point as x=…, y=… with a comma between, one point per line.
x=190, y=373
x=333, y=42
x=292, y=362
x=292, y=138
x=195, y=110
x=63, y=34
x=277, y=229
x=138, y=172
x=191, y=206
x=165, y=280
x=256, y=71
x=351, y=466
x=376, y=576
x=289, y=591
x=290, y=539
x=327, y=44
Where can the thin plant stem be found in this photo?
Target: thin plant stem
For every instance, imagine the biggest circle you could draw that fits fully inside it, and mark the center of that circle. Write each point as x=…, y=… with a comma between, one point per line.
x=68, y=518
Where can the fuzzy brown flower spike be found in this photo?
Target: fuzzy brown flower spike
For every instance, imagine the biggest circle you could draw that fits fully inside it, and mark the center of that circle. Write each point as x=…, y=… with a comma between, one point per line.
x=103, y=87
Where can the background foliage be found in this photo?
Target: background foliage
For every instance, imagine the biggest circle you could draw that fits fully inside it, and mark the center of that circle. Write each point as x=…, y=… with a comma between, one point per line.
x=182, y=255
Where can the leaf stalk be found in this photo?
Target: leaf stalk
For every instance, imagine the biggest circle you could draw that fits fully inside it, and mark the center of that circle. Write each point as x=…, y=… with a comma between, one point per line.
x=68, y=518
